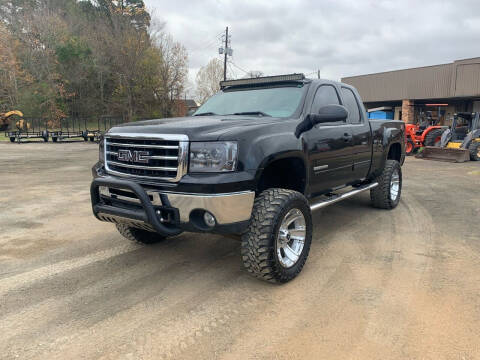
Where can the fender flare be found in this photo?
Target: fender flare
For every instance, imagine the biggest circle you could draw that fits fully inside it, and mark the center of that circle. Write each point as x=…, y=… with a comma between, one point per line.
x=288, y=154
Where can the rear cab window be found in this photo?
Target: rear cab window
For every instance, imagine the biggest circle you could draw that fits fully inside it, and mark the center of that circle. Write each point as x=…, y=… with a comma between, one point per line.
x=350, y=102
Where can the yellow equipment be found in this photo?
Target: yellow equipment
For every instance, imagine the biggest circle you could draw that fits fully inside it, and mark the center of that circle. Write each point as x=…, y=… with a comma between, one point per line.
x=4, y=118
x=23, y=125
x=460, y=143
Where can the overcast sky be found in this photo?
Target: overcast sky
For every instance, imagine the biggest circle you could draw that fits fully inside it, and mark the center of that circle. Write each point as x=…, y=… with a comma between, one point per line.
x=341, y=38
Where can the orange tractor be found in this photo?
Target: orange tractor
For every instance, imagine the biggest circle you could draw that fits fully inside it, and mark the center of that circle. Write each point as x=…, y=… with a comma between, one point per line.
x=417, y=136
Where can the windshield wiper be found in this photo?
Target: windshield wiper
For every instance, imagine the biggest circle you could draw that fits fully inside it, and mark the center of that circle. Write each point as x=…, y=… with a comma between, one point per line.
x=205, y=114
x=261, y=113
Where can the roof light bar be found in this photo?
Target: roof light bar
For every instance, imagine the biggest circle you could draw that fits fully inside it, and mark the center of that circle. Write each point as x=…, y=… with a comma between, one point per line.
x=262, y=80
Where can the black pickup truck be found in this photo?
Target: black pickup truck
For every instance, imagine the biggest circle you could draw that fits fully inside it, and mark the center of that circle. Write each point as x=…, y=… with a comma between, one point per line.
x=255, y=160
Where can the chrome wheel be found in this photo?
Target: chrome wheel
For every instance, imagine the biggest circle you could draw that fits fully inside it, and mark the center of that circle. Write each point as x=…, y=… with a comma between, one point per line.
x=291, y=238
x=394, y=185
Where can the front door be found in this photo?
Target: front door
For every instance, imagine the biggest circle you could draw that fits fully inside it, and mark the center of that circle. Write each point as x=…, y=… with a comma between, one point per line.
x=362, y=138
x=329, y=147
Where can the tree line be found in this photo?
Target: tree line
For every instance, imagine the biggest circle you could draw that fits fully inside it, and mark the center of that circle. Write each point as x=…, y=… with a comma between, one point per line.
x=61, y=58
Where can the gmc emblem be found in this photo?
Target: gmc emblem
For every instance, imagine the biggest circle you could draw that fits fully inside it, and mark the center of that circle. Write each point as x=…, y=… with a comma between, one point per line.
x=133, y=156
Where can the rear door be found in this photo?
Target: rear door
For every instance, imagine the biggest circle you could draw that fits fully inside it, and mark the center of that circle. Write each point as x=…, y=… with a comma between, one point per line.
x=329, y=146
x=362, y=137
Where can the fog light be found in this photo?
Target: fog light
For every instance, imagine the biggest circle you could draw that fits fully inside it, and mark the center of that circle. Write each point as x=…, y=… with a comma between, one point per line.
x=209, y=219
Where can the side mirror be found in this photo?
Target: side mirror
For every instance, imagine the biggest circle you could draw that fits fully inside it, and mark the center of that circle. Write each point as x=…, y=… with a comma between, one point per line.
x=329, y=113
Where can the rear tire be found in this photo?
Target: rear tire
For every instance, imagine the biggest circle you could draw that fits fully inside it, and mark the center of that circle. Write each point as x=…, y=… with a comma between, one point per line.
x=138, y=235
x=474, y=149
x=433, y=137
x=272, y=248
x=387, y=194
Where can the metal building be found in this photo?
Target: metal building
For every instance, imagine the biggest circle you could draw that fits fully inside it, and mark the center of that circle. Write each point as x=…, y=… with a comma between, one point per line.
x=439, y=90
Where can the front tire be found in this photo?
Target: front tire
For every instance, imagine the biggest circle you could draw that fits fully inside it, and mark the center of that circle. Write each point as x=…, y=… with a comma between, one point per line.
x=474, y=149
x=277, y=242
x=138, y=235
x=387, y=194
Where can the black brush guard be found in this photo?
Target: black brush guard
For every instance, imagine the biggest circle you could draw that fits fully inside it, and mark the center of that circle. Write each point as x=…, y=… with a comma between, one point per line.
x=147, y=214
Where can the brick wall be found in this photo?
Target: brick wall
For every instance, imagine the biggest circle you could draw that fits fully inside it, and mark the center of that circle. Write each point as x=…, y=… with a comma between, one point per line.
x=408, y=111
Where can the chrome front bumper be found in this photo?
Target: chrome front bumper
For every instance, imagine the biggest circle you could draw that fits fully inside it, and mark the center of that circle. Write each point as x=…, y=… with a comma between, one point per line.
x=227, y=208
x=123, y=201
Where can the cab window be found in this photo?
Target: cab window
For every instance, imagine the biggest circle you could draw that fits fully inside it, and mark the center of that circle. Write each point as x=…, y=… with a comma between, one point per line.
x=352, y=106
x=325, y=95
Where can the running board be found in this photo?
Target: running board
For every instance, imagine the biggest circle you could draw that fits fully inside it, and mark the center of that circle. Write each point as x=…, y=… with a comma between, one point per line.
x=336, y=198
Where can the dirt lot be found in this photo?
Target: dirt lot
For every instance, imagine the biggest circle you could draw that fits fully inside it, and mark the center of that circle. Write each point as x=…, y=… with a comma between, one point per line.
x=377, y=284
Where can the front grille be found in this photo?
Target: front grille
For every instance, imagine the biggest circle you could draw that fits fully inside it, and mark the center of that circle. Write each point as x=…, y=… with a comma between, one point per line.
x=160, y=157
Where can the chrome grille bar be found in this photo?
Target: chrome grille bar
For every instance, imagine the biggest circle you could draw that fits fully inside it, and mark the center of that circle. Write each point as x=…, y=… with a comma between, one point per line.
x=172, y=147
x=130, y=166
x=155, y=157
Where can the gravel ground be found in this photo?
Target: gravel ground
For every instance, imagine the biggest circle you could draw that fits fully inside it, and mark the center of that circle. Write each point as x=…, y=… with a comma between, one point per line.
x=377, y=285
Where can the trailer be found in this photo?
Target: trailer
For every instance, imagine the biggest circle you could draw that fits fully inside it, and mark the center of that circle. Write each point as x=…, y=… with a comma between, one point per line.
x=89, y=133
x=29, y=128
x=69, y=129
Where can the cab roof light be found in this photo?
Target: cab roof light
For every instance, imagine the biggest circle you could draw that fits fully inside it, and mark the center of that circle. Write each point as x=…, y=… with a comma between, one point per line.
x=262, y=80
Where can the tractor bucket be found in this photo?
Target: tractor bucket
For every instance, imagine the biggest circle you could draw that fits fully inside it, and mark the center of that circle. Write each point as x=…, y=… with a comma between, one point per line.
x=444, y=154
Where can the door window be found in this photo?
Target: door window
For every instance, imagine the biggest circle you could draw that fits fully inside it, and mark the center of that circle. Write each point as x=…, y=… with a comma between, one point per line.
x=325, y=95
x=351, y=104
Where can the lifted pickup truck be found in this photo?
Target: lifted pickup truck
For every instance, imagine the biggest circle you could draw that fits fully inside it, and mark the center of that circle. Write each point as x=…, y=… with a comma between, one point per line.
x=255, y=160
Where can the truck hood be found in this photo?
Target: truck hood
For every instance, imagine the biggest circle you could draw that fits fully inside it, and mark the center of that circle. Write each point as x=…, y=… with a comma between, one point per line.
x=198, y=128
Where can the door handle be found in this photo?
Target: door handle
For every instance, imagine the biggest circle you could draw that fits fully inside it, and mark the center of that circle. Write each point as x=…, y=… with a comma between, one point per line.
x=347, y=137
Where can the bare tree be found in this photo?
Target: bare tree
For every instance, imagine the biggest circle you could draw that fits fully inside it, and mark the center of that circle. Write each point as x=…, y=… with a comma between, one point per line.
x=253, y=74
x=173, y=71
x=208, y=80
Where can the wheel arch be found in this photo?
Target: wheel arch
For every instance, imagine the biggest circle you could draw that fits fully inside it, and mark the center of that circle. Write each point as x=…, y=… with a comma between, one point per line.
x=287, y=170
x=394, y=152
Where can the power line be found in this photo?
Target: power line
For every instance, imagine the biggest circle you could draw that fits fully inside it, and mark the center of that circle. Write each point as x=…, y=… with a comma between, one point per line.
x=208, y=43
x=238, y=67
x=231, y=70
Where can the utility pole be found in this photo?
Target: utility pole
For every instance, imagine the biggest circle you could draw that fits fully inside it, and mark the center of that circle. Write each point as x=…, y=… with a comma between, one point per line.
x=226, y=51
x=225, y=59
x=318, y=73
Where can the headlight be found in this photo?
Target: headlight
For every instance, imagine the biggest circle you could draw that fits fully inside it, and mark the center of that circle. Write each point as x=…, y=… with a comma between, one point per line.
x=213, y=156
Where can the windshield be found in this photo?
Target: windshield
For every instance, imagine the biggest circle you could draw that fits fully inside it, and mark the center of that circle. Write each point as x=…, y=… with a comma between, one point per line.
x=277, y=102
